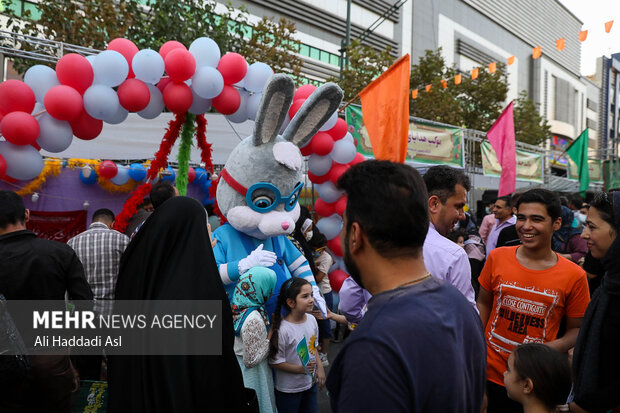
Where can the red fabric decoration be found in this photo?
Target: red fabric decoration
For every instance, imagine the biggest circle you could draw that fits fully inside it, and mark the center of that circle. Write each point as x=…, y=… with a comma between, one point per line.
x=205, y=148
x=216, y=208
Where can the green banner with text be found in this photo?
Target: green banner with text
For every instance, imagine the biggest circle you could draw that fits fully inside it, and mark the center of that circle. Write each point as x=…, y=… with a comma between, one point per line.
x=529, y=164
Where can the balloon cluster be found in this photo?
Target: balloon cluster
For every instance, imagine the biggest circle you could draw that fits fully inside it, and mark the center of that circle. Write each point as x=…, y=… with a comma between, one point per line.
x=83, y=92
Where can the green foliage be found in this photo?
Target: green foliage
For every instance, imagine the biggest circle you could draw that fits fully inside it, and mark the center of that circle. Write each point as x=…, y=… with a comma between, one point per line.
x=483, y=99
x=530, y=127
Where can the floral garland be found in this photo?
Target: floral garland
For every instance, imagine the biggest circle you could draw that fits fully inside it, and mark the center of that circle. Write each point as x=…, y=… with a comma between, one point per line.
x=53, y=167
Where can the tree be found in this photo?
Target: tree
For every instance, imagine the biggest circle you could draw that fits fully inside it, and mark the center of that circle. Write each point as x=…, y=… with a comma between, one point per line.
x=530, y=127
x=483, y=99
x=365, y=64
x=274, y=43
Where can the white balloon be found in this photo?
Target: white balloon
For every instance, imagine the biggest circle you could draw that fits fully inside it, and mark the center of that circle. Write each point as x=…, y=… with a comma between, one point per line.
x=23, y=162
x=205, y=51
x=91, y=59
x=119, y=117
x=110, y=68
x=330, y=226
x=328, y=192
x=55, y=135
x=253, y=102
x=122, y=175
x=348, y=137
x=155, y=106
x=148, y=66
x=101, y=102
x=331, y=122
x=287, y=120
x=319, y=165
x=207, y=82
x=241, y=115
x=199, y=105
x=343, y=152
x=38, y=107
x=40, y=79
x=257, y=76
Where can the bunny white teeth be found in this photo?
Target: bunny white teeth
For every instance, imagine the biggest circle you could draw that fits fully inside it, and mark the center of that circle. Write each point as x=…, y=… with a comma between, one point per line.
x=288, y=154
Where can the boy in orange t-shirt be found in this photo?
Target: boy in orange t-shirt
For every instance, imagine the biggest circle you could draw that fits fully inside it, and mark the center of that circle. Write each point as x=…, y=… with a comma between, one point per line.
x=526, y=291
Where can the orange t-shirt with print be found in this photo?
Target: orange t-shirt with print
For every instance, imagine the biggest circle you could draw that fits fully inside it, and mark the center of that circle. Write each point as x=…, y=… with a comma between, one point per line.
x=528, y=305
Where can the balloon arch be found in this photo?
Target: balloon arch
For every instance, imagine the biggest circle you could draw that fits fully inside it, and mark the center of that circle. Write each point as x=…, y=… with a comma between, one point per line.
x=51, y=106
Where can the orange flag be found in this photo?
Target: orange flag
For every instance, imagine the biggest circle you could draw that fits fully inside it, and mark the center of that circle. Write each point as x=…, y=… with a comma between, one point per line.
x=560, y=43
x=414, y=94
x=583, y=35
x=428, y=87
x=444, y=83
x=474, y=73
x=457, y=79
x=492, y=67
x=536, y=52
x=385, y=109
x=608, y=26
x=511, y=60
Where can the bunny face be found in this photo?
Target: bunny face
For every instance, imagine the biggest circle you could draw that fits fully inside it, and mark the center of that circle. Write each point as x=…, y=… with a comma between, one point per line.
x=260, y=184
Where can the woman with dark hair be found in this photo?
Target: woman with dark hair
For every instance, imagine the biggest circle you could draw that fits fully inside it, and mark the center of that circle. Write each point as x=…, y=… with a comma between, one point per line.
x=171, y=258
x=596, y=361
x=567, y=240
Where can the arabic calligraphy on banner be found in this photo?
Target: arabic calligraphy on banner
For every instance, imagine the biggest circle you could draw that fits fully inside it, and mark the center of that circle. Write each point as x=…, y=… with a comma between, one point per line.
x=595, y=166
x=529, y=164
x=427, y=143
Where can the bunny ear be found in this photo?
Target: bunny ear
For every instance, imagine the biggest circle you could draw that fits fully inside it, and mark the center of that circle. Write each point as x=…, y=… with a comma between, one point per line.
x=315, y=111
x=277, y=98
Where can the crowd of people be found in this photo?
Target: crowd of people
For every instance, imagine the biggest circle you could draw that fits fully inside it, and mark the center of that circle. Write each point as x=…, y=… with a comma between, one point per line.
x=518, y=313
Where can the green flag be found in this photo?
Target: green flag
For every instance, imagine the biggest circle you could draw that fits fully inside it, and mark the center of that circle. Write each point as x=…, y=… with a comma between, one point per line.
x=578, y=151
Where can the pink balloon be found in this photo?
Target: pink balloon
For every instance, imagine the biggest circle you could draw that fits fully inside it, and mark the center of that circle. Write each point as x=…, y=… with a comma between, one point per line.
x=127, y=48
x=191, y=174
x=180, y=65
x=304, y=92
x=322, y=143
x=292, y=111
x=63, y=102
x=2, y=166
x=161, y=85
x=337, y=171
x=20, y=128
x=169, y=46
x=336, y=278
x=74, y=70
x=233, y=68
x=178, y=97
x=228, y=101
x=341, y=205
x=339, y=130
x=107, y=169
x=134, y=95
x=318, y=179
x=86, y=127
x=323, y=208
x=358, y=158
x=16, y=95
x=335, y=246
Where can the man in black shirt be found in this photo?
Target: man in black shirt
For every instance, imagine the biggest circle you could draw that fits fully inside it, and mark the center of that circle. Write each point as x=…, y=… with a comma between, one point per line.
x=37, y=269
x=508, y=236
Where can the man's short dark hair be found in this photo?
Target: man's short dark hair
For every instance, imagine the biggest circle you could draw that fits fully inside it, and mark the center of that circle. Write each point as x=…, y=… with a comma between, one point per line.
x=563, y=201
x=514, y=198
x=507, y=199
x=104, y=213
x=577, y=201
x=389, y=201
x=442, y=180
x=549, y=199
x=12, y=210
x=161, y=192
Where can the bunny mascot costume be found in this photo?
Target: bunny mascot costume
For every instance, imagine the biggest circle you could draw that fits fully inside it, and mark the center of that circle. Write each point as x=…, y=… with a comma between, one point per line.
x=260, y=185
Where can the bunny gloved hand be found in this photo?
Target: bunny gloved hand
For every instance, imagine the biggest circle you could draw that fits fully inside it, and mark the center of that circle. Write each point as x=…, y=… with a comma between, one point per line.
x=319, y=301
x=258, y=257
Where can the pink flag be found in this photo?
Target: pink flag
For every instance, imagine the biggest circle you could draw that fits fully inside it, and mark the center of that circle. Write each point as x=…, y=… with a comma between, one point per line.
x=502, y=139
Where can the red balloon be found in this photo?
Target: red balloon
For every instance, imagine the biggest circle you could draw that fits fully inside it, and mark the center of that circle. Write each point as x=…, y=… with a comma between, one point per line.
x=169, y=46
x=180, y=65
x=63, y=103
x=233, y=68
x=228, y=101
x=306, y=150
x=127, y=48
x=336, y=171
x=107, y=169
x=341, y=205
x=304, y=91
x=191, y=174
x=322, y=143
x=323, y=208
x=8, y=179
x=2, y=166
x=86, y=127
x=295, y=107
x=16, y=95
x=318, y=179
x=20, y=128
x=161, y=85
x=336, y=278
x=339, y=130
x=134, y=95
x=178, y=97
x=335, y=247
x=74, y=70
x=358, y=158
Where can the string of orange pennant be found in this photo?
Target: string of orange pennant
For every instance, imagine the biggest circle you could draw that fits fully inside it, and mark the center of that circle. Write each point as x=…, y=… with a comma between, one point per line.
x=560, y=44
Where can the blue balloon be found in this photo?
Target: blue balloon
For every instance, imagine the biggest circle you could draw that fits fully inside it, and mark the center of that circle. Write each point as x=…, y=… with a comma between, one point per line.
x=92, y=178
x=206, y=185
x=208, y=200
x=137, y=172
x=201, y=176
x=170, y=176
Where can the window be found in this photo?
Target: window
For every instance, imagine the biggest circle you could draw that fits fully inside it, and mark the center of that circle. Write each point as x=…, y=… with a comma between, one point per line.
x=20, y=7
x=315, y=53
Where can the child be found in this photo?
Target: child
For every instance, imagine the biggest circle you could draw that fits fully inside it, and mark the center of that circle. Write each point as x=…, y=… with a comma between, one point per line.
x=538, y=377
x=294, y=339
x=253, y=290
